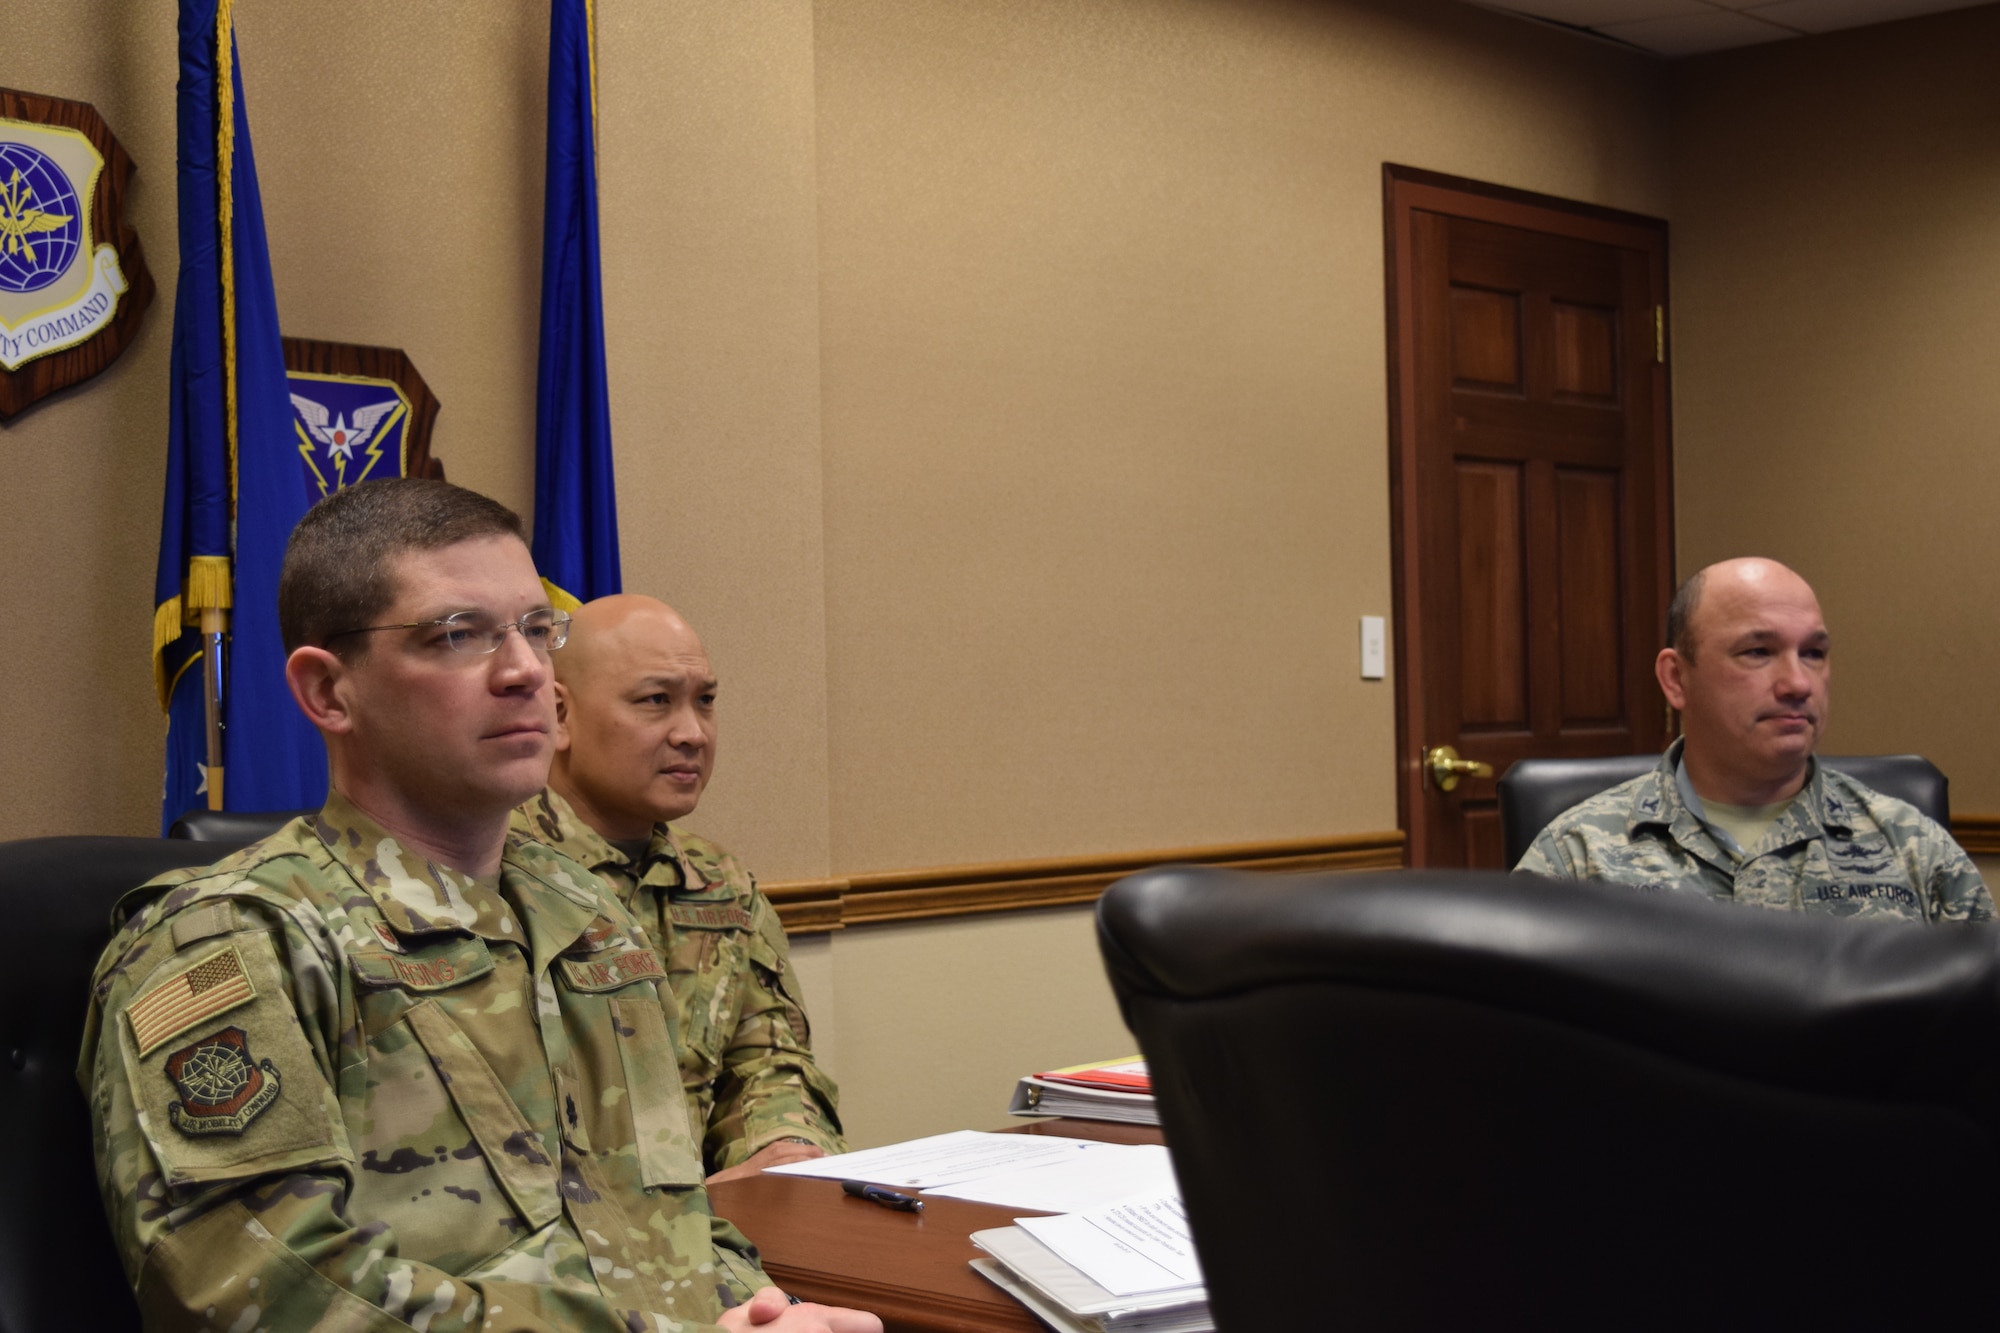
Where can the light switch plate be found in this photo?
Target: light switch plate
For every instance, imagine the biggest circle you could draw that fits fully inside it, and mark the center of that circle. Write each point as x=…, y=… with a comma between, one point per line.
x=1374, y=648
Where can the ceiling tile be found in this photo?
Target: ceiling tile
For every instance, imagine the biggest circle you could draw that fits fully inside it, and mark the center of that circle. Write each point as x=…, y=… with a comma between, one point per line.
x=1694, y=33
x=1832, y=15
x=1597, y=13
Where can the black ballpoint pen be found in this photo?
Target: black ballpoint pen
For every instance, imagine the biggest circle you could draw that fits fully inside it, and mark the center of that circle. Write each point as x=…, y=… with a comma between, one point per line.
x=888, y=1198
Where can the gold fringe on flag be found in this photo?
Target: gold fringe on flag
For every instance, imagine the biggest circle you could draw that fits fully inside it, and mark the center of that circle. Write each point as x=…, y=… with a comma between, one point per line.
x=225, y=172
x=559, y=599
x=166, y=628
x=208, y=585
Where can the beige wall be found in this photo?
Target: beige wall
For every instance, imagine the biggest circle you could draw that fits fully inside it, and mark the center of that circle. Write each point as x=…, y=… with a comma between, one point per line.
x=1836, y=253
x=999, y=385
x=1104, y=398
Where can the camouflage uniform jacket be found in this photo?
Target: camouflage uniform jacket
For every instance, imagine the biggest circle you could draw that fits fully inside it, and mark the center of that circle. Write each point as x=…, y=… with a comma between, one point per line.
x=1840, y=848
x=746, y=1048
x=338, y=1086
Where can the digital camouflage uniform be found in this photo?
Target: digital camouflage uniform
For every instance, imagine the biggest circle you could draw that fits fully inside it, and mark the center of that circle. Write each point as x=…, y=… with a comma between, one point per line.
x=338, y=1086
x=746, y=1049
x=1840, y=848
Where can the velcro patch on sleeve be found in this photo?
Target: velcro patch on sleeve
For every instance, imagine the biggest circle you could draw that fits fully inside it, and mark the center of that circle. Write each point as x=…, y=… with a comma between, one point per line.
x=601, y=974
x=223, y=1087
x=709, y=916
x=203, y=923
x=196, y=993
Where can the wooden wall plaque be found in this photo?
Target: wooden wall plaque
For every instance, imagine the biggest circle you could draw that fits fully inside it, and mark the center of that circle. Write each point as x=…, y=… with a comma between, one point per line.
x=354, y=407
x=73, y=282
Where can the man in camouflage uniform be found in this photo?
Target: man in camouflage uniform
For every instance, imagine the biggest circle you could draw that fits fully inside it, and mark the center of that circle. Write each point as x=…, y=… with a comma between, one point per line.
x=388, y=1069
x=1739, y=809
x=635, y=747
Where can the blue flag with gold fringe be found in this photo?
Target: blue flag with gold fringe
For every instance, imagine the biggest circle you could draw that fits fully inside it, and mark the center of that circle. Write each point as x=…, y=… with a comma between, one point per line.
x=235, y=486
x=576, y=506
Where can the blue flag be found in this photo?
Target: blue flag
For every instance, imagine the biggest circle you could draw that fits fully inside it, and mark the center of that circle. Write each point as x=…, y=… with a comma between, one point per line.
x=235, y=485
x=576, y=504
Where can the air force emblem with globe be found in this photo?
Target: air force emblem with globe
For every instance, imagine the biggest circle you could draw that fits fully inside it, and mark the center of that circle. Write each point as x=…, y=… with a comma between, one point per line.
x=56, y=288
x=41, y=224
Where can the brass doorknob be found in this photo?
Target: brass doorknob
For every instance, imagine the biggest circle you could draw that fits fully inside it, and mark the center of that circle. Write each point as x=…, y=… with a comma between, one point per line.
x=1447, y=768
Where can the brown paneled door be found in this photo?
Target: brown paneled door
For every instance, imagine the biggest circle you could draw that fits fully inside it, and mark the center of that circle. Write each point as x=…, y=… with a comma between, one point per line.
x=1531, y=488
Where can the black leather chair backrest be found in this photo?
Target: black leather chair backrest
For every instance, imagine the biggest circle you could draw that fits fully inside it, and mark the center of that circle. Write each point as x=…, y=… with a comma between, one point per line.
x=1446, y=1100
x=58, y=1269
x=233, y=826
x=1534, y=791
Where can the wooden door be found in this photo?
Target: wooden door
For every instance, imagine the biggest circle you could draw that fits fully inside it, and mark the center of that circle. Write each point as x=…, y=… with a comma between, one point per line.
x=1531, y=490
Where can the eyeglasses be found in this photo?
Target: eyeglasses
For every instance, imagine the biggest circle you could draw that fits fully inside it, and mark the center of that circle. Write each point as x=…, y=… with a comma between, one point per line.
x=472, y=632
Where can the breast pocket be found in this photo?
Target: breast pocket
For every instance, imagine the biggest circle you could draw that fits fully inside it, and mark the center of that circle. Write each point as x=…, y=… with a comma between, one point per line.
x=633, y=1095
x=446, y=1156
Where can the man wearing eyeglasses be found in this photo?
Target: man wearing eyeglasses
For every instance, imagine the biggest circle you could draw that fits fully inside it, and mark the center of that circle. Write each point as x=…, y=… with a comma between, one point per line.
x=635, y=747
x=387, y=1067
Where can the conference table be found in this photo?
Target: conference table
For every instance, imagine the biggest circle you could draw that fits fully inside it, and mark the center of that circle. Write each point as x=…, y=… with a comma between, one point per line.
x=912, y=1269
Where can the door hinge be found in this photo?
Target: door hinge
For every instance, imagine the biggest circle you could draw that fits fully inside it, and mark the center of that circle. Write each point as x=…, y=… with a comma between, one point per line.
x=1660, y=334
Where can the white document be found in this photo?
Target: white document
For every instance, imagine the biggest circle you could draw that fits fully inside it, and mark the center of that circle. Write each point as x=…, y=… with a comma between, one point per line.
x=943, y=1159
x=1078, y=1183
x=1129, y=1249
x=1061, y=1284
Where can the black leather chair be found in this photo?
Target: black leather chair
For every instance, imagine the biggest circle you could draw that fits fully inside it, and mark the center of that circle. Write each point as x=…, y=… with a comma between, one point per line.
x=1446, y=1100
x=58, y=1269
x=1534, y=791
x=233, y=826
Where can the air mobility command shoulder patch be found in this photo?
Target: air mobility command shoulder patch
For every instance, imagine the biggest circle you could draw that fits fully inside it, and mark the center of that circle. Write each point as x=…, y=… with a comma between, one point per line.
x=222, y=1086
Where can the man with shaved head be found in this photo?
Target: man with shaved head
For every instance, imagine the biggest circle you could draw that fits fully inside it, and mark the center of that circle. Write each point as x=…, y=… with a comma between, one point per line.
x=1738, y=808
x=634, y=749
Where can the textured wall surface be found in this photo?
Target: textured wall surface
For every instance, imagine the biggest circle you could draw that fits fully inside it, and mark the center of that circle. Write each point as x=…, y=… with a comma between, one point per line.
x=1105, y=399
x=1836, y=263
x=998, y=384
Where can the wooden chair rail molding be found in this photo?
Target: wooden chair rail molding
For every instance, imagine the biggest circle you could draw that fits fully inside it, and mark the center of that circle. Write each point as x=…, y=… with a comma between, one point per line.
x=814, y=906
x=1978, y=834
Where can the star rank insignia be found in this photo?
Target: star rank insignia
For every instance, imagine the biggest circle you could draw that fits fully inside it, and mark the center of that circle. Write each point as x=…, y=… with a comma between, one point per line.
x=222, y=1086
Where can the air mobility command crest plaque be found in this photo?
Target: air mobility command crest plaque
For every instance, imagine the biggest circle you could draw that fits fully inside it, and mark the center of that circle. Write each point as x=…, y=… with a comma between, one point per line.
x=73, y=283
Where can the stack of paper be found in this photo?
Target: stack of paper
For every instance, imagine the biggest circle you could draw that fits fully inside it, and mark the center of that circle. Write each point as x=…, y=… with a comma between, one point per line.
x=1126, y=1268
x=1120, y=1090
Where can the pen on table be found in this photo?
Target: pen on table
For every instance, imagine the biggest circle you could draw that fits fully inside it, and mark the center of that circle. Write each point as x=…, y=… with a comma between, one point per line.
x=888, y=1198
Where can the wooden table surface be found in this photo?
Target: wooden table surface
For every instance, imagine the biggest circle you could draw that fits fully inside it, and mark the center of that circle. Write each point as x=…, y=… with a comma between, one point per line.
x=912, y=1269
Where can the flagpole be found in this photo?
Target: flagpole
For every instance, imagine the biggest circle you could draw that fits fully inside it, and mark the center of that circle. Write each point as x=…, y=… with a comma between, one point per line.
x=214, y=623
x=214, y=618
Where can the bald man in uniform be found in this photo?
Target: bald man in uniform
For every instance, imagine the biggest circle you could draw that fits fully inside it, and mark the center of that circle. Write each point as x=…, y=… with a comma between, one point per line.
x=635, y=747
x=1738, y=808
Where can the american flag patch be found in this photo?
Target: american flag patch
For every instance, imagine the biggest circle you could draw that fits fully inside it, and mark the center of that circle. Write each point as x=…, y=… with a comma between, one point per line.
x=212, y=986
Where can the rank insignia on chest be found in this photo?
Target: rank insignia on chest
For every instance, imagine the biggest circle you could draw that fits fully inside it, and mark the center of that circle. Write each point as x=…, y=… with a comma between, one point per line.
x=222, y=1086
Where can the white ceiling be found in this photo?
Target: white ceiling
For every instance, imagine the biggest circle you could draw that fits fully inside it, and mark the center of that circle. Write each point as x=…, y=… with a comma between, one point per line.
x=1688, y=27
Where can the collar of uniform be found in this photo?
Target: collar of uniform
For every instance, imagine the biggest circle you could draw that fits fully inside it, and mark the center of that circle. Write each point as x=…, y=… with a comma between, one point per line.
x=416, y=896
x=546, y=817
x=1658, y=802
x=1818, y=808
x=561, y=897
x=1657, y=799
x=666, y=865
